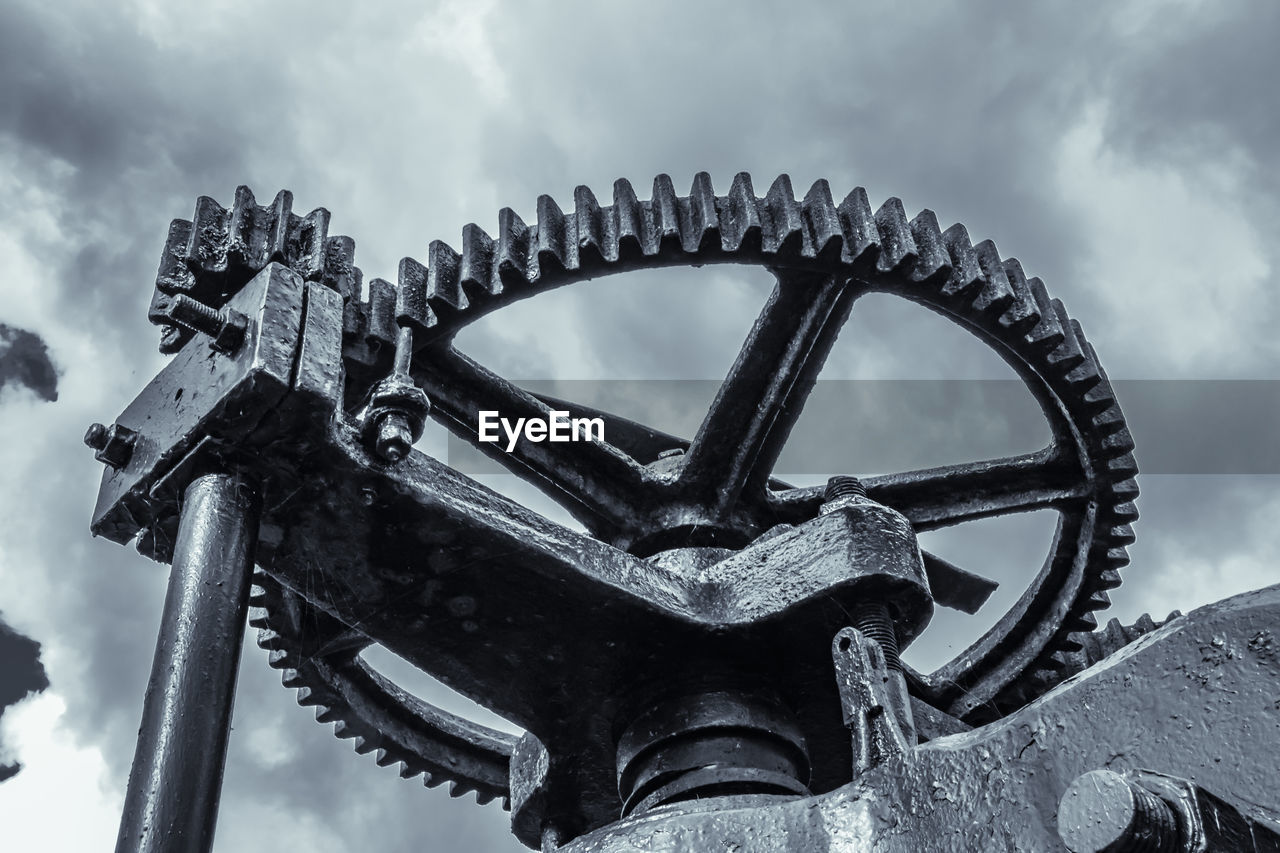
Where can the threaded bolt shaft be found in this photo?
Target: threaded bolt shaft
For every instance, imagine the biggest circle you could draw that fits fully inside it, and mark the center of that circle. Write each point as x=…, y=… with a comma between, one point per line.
x=1104, y=812
x=195, y=315
x=872, y=618
x=842, y=487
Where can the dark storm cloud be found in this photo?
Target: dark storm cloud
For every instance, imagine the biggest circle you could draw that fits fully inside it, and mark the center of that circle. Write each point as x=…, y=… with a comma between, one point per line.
x=21, y=674
x=121, y=122
x=24, y=360
x=1203, y=86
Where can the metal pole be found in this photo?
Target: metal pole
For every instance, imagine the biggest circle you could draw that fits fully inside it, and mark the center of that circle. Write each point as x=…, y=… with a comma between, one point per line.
x=172, y=802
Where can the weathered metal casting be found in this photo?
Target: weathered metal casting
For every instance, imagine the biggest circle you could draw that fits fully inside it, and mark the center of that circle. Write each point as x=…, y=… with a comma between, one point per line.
x=682, y=646
x=172, y=799
x=1195, y=700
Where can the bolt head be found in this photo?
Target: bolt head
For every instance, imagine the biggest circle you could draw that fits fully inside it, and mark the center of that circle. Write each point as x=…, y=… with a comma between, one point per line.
x=95, y=436
x=1100, y=812
x=394, y=438
x=114, y=444
x=230, y=332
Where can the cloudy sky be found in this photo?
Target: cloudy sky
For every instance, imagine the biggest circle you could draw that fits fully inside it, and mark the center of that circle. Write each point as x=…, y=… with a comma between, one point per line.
x=1126, y=153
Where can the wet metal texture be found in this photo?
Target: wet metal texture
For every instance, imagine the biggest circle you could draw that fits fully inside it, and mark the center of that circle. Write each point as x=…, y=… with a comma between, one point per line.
x=998, y=789
x=716, y=656
x=172, y=801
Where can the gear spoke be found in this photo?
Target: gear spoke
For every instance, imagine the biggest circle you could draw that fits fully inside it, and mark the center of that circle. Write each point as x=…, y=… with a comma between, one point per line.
x=592, y=479
x=954, y=587
x=952, y=494
x=766, y=387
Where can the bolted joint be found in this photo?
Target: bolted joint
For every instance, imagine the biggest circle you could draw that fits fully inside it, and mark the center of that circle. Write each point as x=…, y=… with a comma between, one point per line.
x=1105, y=812
x=114, y=444
x=840, y=490
x=395, y=417
x=226, y=327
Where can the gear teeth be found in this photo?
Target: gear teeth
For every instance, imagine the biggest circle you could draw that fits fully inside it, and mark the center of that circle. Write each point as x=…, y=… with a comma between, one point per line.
x=340, y=272
x=407, y=772
x=1110, y=419
x=996, y=295
x=277, y=232
x=485, y=797
x=594, y=246
x=513, y=247
x=1084, y=376
x=277, y=658
x=432, y=781
x=966, y=273
x=172, y=336
x=1109, y=579
x=665, y=208
x=1099, y=601
x=382, y=312
x=784, y=234
x=174, y=276
x=291, y=678
x=306, y=251
x=557, y=242
x=245, y=234
x=1083, y=622
x=384, y=758
x=269, y=640
x=1123, y=534
x=824, y=234
x=411, y=296
x=1125, y=512
x=932, y=263
x=306, y=697
x=344, y=730
x=1125, y=490
x=325, y=714
x=1067, y=644
x=1118, y=556
x=897, y=247
x=1023, y=315
x=1048, y=333
x=740, y=225
x=364, y=745
x=475, y=270
x=1118, y=443
x=1122, y=467
x=207, y=248
x=1101, y=396
x=458, y=789
x=703, y=229
x=257, y=618
x=444, y=288
x=1068, y=354
x=859, y=225
x=630, y=227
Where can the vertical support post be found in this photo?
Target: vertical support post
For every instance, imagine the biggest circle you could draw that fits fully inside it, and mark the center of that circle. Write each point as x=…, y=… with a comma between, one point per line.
x=172, y=801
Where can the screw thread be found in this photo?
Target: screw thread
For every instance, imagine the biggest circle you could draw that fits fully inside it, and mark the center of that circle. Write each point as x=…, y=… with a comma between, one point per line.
x=195, y=315
x=873, y=620
x=842, y=487
x=1154, y=828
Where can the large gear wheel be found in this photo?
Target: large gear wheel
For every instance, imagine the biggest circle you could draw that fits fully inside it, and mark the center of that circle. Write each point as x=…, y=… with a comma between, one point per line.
x=719, y=492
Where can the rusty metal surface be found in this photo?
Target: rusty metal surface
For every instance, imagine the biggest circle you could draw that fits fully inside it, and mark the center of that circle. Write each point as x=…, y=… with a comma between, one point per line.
x=998, y=788
x=171, y=804
x=699, y=572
